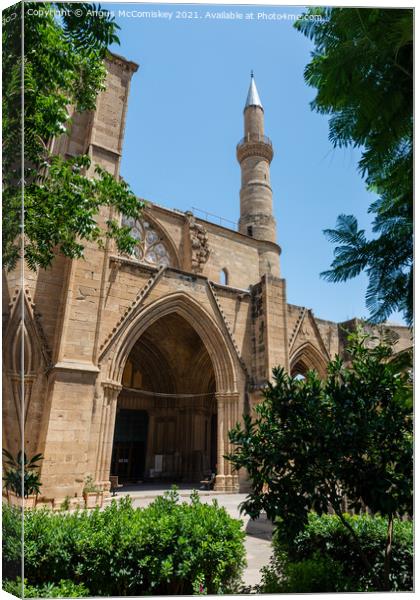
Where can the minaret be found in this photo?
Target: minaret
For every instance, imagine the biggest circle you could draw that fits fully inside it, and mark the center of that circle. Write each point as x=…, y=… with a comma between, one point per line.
x=255, y=153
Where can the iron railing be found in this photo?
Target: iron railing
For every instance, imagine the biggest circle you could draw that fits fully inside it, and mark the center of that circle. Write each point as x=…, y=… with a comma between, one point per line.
x=208, y=216
x=255, y=137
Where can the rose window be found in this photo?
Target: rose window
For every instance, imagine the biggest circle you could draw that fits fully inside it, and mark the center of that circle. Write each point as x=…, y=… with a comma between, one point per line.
x=150, y=248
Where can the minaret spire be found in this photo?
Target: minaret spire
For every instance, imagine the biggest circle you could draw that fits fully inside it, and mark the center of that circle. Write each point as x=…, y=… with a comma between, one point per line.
x=255, y=153
x=253, y=98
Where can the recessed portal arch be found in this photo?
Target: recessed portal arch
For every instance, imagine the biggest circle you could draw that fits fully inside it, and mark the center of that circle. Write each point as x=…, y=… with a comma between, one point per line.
x=156, y=341
x=215, y=341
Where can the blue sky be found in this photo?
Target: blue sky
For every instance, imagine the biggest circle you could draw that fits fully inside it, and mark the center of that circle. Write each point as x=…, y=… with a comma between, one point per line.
x=185, y=118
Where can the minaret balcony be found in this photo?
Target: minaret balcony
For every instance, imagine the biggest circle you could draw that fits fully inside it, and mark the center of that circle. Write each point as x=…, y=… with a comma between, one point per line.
x=255, y=137
x=255, y=144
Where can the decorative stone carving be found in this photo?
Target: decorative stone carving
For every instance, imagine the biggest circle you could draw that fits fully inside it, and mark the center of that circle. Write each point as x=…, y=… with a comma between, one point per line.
x=200, y=250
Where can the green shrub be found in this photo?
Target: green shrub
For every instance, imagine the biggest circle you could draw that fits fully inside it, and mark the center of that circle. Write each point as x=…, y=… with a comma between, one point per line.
x=316, y=574
x=325, y=536
x=166, y=548
x=64, y=589
x=12, y=541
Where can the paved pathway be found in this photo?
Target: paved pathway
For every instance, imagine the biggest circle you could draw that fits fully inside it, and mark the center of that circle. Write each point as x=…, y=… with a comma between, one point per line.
x=257, y=541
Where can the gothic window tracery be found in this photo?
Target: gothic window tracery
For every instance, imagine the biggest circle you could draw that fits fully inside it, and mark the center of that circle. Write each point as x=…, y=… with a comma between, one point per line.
x=150, y=248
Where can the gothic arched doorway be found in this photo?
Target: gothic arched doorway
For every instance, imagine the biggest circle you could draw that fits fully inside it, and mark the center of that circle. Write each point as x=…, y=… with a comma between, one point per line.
x=166, y=419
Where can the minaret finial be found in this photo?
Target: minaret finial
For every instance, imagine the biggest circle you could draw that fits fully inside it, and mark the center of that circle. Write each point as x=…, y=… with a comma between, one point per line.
x=252, y=73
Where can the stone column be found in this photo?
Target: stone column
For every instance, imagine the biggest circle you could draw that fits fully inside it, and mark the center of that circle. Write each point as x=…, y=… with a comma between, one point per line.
x=106, y=433
x=227, y=411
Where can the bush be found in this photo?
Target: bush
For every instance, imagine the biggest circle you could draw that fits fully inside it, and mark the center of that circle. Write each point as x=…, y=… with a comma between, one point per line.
x=166, y=548
x=303, y=561
x=312, y=575
x=64, y=589
x=12, y=541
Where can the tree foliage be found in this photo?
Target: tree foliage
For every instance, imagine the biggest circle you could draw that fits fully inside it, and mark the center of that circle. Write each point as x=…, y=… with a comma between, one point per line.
x=362, y=67
x=21, y=474
x=315, y=443
x=62, y=66
x=322, y=557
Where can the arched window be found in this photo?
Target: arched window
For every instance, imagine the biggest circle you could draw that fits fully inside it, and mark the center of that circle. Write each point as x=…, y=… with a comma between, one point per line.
x=150, y=248
x=224, y=277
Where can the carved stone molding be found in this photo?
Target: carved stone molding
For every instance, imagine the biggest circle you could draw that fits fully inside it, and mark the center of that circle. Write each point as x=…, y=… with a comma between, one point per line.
x=130, y=311
x=254, y=149
x=123, y=63
x=112, y=388
x=226, y=397
x=257, y=219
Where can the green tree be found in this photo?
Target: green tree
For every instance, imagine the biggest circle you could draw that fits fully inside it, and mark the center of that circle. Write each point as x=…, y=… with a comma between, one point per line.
x=315, y=443
x=62, y=66
x=362, y=67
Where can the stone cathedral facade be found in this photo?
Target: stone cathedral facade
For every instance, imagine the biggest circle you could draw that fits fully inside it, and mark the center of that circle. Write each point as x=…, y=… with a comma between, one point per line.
x=138, y=366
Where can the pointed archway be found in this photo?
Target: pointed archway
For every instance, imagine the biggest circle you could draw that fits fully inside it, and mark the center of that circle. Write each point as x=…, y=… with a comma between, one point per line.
x=166, y=410
x=306, y=358
x=173, y=351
